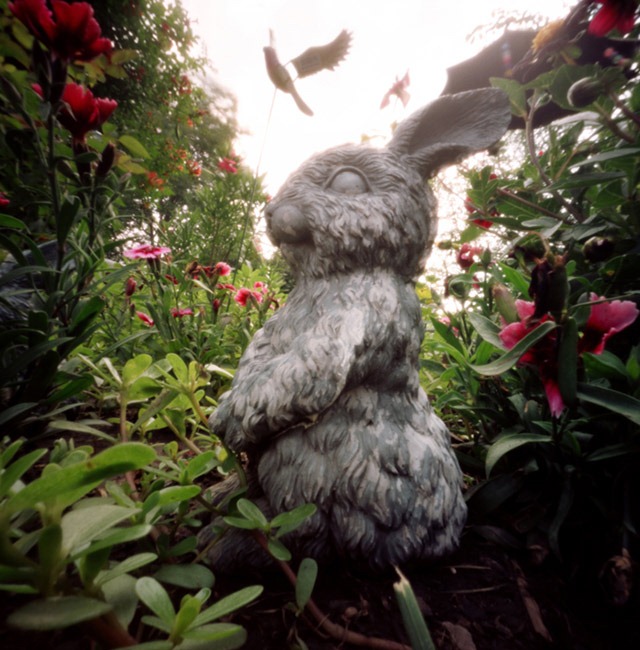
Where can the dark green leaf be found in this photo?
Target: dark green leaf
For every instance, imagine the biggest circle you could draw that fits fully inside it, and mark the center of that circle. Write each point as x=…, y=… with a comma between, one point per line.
x=305, y=582
x=620, y=403
x=57, y=613
x=507, y=443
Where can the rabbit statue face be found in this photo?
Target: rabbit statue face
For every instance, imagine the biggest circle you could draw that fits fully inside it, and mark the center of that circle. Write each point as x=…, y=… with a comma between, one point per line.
x=326, y=402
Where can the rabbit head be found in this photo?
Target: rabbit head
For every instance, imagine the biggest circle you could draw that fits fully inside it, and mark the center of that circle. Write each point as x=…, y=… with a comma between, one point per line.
x=359, y=207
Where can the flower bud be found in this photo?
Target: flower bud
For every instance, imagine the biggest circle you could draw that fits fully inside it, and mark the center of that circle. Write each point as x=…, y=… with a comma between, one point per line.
x=598, y=249
x=584, y=92
x=549, y=287
x=505, y=303
x=130, y=287
x=106, y=160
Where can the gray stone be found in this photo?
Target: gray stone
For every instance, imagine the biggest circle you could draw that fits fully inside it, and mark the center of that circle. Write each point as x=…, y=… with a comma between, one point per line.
x=326, y=401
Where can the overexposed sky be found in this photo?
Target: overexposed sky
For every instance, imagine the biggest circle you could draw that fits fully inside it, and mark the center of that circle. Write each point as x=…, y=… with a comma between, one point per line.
x=389, y=38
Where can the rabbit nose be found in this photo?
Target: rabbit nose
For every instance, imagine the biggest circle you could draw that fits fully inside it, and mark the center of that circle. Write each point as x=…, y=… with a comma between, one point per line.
x=286, y=224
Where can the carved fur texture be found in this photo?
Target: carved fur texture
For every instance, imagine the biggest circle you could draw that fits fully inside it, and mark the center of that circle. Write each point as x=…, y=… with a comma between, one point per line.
x=326, y=401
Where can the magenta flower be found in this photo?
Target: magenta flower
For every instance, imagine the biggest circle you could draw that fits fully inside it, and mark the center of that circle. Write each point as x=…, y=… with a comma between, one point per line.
x=614, y=14
x=244, y=296
x=399, y=89
x=605, y=320
x=466, y=255
x=145, y=318
x=222, y=268
x=180, y=313
x=4, y=201
x=146, y=252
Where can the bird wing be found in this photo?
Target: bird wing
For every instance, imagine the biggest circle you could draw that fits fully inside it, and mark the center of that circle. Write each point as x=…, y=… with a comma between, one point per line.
x=323, y=57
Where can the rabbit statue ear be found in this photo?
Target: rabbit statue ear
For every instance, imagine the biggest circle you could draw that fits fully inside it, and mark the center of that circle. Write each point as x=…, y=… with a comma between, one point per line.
x=452, y=127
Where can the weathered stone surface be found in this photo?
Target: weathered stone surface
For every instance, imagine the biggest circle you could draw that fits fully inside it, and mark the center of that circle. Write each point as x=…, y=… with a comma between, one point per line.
x=326, y=401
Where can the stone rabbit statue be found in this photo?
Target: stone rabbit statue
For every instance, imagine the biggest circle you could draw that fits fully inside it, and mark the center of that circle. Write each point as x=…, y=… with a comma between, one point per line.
x=326, y=402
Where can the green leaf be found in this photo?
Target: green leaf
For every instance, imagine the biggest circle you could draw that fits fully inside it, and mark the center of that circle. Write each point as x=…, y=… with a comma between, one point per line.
x=251, y=512
x=120, y=593
x=241, y=522
x=66, y=217
x=201, y=464
x=219, y=636
x=81, y=526
x=159, y=403
x=607, y=155
x=127, y=565
x=487, y=329
x=12, y=473
x=228, y=604
x=506, y=361
x=509, y=442
x=516, y=93
x=154, y=596
x=57, y=613
x=306, y=580
x=179, y=368
x=175, y=493
x=13, y=411
x=620, y=403
x=412, y=618
x=278, y=550
x=135, y=367
x=69, y=484
x=189, y=609
x=568, y=361
x=285, y=522
x=7, y=221
x=134, y=146
x=189, y=576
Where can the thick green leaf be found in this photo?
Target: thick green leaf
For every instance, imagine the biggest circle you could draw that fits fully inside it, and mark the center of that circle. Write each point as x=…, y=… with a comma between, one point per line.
x=57, y=613
x=508, y=443
x=155, y=597
x=134, y=146
x=179, y=367
x=134, y=368
x=120, y=593
x=278, y=550
x=568, y=361
x=79, y=527
x=228, y=604
x=189, y=609
x=219, y=636
x=12, y=473
x=506, y=361
x=251, y=512
x=285, y=522
x=487, y=329
x=201, y=464
x=189, y=576
x=305, y=582
x=69, y=484
x=515, y=92
x=127, y=565
x=412, y=618
x=620, y=403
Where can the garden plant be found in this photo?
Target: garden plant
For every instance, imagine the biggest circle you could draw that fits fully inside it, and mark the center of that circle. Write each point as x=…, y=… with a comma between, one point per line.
x=130, y=285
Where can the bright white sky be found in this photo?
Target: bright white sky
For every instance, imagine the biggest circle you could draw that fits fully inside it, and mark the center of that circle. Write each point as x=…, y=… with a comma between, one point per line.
x=389, y=38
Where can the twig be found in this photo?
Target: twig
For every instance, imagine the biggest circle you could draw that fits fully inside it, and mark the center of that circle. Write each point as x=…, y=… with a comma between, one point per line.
x=334, y=630
x=533, y=610
x=532, y=205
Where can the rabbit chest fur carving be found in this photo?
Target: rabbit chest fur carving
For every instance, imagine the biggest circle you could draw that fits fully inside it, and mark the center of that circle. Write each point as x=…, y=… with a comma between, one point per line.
x=326, y=401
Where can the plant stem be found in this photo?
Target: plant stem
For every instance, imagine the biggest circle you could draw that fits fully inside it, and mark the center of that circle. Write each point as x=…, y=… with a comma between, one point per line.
x=341, y=634
x=533, y=206
x=108, y=632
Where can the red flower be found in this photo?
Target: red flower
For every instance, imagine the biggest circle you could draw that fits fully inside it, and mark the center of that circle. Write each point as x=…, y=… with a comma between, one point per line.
x=194, y=168
x=4, y=201
x=145, y=318
x=228, y=165
x=180, y=313
x=154, y=180
x=216, y=305
x=228, y=287
x=605, y=320
x=244, y=295
x=614, y=14
x=70, y=32
x=399, y=89
x=222, y=268
x=171, y=278
x=82, y=111
x=466, y=254
x=146, y=252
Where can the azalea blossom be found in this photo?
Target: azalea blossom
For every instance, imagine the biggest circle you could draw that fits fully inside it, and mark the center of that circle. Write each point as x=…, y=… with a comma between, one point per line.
x=244, y=295
x=614, y=14
x=145, y=318
x=180, y=313
x=228, y=165
x=146, y=252
x=69, y=30
x=399, y=89
x=605, y=320
x=82, y=112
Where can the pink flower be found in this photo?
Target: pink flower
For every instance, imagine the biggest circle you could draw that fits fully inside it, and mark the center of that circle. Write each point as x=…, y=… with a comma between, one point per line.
x=222, y=268
x=614, y=14
x=145, y=318
x=4, y=201
x=605, y=320
x=244, y=295
x=260, y=286
x=70, y=32
x=146, y=252
x=180, y=313
x=466, y=254
x=399, y=89
x=228, y=165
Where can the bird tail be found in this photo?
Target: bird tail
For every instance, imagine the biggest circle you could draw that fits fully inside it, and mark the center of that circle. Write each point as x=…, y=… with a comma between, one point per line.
x=300, y=103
